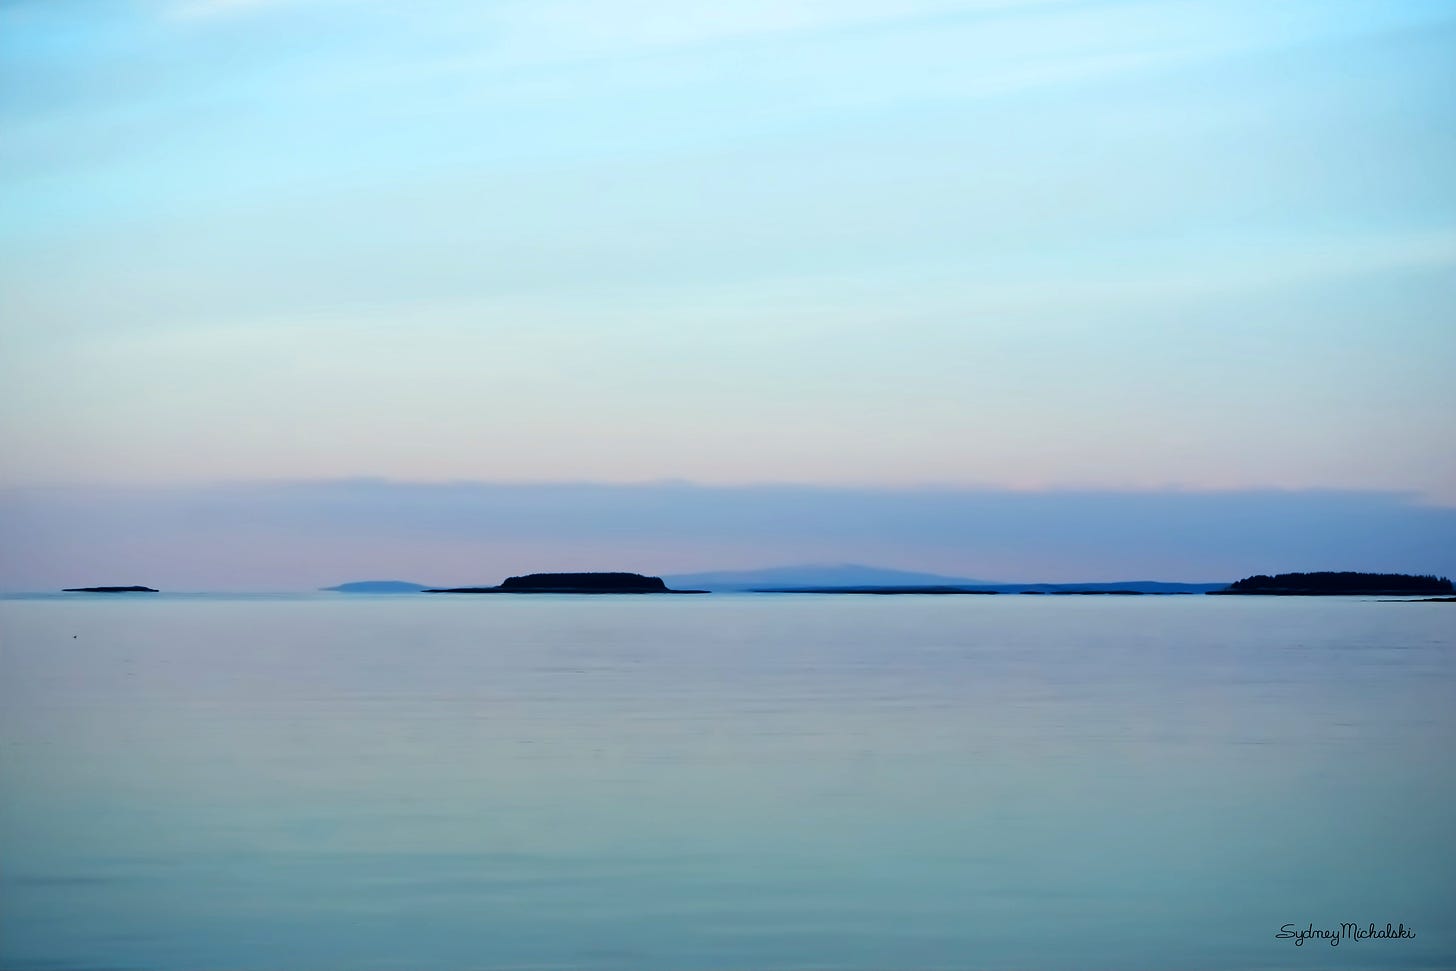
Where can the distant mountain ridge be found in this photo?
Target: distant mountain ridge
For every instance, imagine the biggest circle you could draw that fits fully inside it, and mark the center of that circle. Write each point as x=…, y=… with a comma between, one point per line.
x=859, y=576
x=377, y=586
x=816, y=575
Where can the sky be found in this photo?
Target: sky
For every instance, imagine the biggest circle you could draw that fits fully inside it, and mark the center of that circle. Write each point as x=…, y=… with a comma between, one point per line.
x=1037, y=249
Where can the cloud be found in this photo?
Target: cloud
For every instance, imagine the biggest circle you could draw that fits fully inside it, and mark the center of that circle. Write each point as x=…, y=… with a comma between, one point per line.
x=214, y=8
x=303, y=535
x=641, y=25
x=645, y=25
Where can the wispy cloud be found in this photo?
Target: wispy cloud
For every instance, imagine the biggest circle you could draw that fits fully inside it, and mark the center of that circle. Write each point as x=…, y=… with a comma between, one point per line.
x=1105, y=242
x=272, y=536
x=199, y=9
x=585, y=26
x=204, y=9
x=647, y=24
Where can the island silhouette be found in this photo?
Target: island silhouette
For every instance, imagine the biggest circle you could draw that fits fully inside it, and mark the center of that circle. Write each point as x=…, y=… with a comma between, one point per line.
x=1342, y=584
x=110, y=590
x=573, y=583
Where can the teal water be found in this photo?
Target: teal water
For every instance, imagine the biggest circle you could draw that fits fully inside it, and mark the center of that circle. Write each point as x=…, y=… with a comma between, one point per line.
x=724, y=782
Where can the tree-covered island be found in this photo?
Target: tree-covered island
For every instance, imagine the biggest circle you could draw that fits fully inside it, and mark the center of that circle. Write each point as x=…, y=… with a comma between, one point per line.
x=1344, y=584
x=574, y=583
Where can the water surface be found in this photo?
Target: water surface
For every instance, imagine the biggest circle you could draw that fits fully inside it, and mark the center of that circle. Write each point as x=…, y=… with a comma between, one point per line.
x=723, y=782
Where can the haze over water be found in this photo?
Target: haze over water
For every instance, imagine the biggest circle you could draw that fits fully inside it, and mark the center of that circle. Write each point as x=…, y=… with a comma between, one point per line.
x=723, y=782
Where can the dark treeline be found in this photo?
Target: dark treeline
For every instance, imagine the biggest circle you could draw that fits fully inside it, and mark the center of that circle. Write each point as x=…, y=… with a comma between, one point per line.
x=1340, y=583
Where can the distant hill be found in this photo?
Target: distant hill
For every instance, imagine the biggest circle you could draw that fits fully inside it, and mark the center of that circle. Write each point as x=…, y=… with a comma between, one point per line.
x=854, y=576
x=816, y=575
x=377, y=586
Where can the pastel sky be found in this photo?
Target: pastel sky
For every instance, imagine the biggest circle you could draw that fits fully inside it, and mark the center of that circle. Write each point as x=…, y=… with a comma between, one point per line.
x=1200, y=245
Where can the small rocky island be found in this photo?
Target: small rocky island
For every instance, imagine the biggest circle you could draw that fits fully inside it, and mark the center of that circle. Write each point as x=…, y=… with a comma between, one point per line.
x=574, y=583
x=1340, y=585
x=109, y=590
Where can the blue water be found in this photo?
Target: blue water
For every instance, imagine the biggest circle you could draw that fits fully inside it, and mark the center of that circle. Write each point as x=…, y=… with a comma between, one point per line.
x=724, y=782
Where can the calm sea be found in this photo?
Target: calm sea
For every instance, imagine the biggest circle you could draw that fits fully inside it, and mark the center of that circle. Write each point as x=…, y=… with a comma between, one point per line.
x=724, y=782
